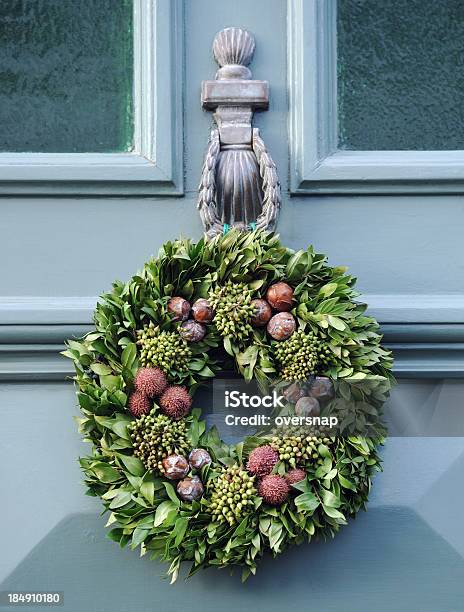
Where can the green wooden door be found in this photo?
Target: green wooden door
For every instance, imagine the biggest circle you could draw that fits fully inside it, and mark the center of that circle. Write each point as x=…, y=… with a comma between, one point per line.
x=102, y=138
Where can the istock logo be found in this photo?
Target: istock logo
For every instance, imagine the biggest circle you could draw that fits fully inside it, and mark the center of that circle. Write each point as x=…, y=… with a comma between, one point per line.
x=234, y=399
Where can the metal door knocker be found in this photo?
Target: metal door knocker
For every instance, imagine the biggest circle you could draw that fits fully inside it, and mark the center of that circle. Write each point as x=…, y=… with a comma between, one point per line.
x=239, y=184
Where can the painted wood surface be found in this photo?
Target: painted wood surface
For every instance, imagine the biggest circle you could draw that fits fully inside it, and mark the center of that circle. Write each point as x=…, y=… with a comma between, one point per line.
x=58, y=253
x=316, y=166
x=155, y=165
x=405, y=553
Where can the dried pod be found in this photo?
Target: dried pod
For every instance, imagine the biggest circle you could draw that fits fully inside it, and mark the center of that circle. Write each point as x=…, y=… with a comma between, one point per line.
x=263, y=313
x=280, y=296
x=307, y=407
x=262, y=460
x=190, y=489
x=179, y=308
x=175, y=467
x=139, y=403
x=322, y=389
x=202, y=311
x=151, y=381
x=175, y=402
x=281, y=326
x=274, y=489
x=295, y=475
x=293, y=393
x=192, y=331
x=198, y=458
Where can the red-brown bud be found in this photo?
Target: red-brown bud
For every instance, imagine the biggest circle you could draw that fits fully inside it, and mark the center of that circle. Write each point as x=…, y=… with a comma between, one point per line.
x=280, y=296
x=263, y=313
x=293, y=393
x=322, y=389
x=307, y=407
x=295, y=475
x=202, y=311
x=198, y=458
x=281, y=326
x=192, y=331
x=190, y=489
x=175, y=467
x=179, y=308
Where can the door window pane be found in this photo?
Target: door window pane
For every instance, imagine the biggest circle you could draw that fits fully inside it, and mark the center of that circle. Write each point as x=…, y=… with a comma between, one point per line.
x=66, y=72
x=400, y=74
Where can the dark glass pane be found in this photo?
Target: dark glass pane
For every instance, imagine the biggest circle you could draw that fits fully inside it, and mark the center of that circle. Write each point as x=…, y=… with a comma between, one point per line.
x=66, y=73
x=401, y=74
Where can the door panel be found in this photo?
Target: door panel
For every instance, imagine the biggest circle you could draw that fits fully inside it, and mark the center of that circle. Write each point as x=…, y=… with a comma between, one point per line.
x=406, y=552
x=58, y=253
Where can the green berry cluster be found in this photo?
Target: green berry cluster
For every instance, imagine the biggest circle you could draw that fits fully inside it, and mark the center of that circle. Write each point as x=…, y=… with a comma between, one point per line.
x=154, y=436
x=299, y=450
x=300, y=356
x=163, y=349
x=232, y=495
x=233, y=309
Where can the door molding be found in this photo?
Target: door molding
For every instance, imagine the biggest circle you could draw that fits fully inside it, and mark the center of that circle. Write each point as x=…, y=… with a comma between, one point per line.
x=316, y=166
x=425, y=332
x=155, y=167
x=391, y=309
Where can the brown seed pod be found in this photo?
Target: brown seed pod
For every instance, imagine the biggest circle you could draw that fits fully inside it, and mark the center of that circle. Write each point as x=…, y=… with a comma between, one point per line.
x=280, y=296
x=263, y=313
x=262, y=460
x=295, y=475
x=175, y=467
x=192, y=331
x=190, y=489
x=322, y=389
x=179, y=308
x=151, y=381
x=274, y=489
x=281, y=326
x=198, y=458
x=139, y=403
x=175, y=402
x=307, y=407
x=293, y=393
x=202, y=311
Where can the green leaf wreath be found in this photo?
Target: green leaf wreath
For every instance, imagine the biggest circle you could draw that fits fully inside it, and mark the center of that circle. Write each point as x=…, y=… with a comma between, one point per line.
x=169, y=484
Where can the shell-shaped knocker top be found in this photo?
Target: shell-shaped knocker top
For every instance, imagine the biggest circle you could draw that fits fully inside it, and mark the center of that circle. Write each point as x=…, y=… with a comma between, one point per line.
x=239, y=184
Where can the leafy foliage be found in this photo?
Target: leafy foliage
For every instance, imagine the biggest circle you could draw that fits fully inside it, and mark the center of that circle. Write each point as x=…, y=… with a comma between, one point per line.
x=144, y=508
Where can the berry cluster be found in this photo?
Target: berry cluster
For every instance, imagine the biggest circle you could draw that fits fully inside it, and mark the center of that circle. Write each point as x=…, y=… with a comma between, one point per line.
x=233, y=309
x=162, y=349
x=232, y=495
x=301, y=355
x=299, y=450
x=155, y=436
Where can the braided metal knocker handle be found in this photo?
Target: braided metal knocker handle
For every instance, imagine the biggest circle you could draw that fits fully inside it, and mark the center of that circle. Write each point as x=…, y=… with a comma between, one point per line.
x=239, y=185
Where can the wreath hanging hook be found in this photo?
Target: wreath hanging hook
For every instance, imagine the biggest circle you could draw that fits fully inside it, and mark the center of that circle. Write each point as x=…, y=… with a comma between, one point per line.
x=239, y=184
